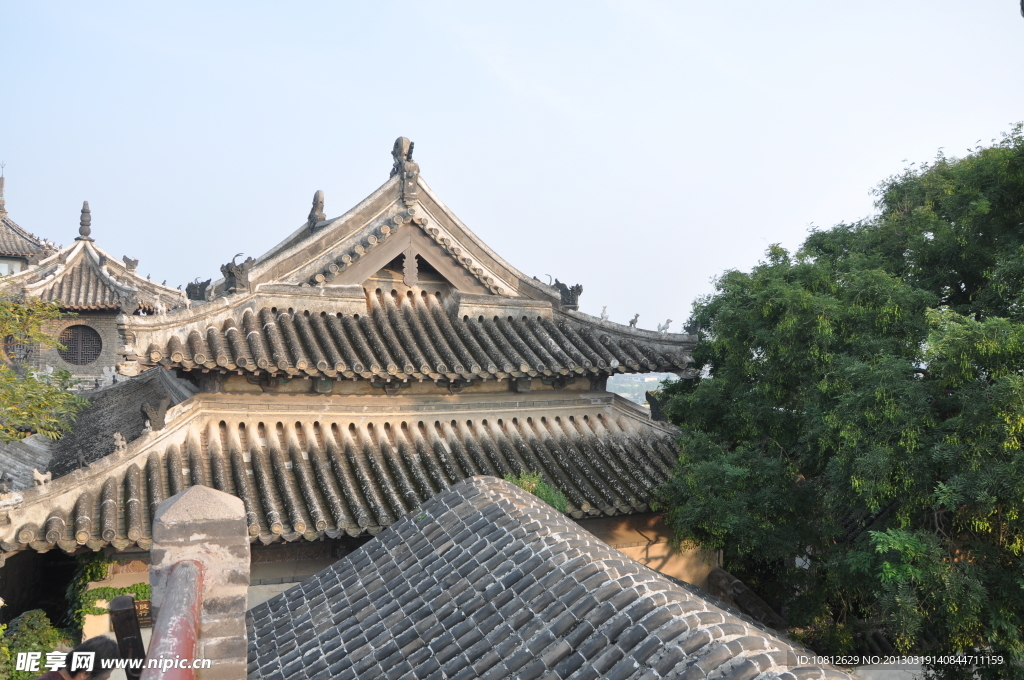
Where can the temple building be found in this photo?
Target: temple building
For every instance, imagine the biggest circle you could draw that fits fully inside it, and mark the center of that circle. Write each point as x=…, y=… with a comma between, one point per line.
x=365, y=364
x=91, y=286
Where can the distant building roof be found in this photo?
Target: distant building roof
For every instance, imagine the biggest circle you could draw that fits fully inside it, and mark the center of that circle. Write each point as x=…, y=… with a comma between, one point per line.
x=82, y=277
x=117, y=408
x=19, y=458
x=15, y=241
x=487, y=581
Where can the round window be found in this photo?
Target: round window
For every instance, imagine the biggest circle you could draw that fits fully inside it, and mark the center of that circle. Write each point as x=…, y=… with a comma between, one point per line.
x=16, y=349
x=82, y=345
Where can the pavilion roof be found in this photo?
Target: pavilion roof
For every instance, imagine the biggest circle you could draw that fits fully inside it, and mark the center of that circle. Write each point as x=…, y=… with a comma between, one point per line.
x=83, y=277
x=330, y=301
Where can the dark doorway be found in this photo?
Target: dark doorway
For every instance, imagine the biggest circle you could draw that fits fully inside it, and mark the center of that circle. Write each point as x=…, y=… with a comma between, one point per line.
x=31, y=580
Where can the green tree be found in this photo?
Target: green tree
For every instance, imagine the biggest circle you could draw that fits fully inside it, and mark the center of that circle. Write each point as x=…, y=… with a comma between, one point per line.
x=30, y=632
x=30, y=402
x=853, y=444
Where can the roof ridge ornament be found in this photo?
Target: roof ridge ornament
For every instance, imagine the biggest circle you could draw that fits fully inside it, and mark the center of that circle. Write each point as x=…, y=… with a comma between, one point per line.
x=407, y=170
x=3, y=206
x=316, y=213
x=84, y=223
x=236, y=275
x=570, y=296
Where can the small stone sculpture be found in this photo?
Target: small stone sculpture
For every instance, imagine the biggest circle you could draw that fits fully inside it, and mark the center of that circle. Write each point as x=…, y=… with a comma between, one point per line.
x=663, y=327
x=692, y=326
x=197, y=289
x=406, y=169
x=82, y=464
x=6, y=482
x=156, y=414
x=632, y=322
x=316, y=213
x=604, y=313
x=129, y=263
x=39, y=478
x=236, y=276
x=119, y=443
x=570, y=296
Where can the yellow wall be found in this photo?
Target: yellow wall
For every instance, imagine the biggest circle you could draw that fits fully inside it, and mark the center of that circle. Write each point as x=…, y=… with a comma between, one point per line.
x=646, y=539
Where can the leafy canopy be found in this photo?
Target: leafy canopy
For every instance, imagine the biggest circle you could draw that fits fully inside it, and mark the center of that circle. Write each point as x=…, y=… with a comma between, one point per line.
x=854, y=442
x=31, y=402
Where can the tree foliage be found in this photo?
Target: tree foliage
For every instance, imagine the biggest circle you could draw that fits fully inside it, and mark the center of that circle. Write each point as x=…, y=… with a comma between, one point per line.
x=31, y=402
x=854, y=442
x=29, y=632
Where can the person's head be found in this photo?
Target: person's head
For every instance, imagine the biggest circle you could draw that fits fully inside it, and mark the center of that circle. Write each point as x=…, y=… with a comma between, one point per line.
x=104, y=648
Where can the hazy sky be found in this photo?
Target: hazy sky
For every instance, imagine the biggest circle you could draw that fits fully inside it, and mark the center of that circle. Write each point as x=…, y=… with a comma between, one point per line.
x=638, y=148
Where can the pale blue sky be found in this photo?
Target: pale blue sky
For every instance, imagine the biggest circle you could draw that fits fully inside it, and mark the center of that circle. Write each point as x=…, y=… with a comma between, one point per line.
x=638, y=148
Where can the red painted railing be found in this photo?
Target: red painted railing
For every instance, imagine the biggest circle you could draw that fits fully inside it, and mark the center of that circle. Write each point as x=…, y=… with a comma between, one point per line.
x=176, y=629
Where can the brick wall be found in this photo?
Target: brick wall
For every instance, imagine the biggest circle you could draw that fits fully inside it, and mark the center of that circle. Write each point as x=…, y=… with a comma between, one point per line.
x=104, y=368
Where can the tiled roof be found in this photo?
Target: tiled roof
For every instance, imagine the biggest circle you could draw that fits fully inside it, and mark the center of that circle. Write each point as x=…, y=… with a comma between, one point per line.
x=83, y=277
x=305, y=471
x=114, y=409
x=15, y=241
x=486, y=581
x=19, y=458
x=415, y=337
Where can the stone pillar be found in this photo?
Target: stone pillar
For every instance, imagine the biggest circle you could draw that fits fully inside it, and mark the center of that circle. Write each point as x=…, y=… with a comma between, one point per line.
x=207, y=526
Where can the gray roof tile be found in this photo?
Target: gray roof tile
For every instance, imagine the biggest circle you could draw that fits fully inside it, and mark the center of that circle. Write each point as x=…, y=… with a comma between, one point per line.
x=588, y=613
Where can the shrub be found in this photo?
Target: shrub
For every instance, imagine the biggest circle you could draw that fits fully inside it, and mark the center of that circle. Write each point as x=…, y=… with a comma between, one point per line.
x=532, y=482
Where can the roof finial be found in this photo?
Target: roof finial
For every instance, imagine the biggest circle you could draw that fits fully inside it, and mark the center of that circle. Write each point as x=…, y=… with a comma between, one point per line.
x=316, y=214
x=3, y=208
x=83, y=224
x=407, y=169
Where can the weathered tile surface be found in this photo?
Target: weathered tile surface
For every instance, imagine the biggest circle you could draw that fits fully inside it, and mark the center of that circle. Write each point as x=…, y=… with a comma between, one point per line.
x=486, y=581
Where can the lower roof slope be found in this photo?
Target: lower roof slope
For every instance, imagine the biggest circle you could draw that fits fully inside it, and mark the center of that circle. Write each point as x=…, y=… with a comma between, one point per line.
x=117, y=408
x=314, y=466
x=19, y=458
x=487, y=581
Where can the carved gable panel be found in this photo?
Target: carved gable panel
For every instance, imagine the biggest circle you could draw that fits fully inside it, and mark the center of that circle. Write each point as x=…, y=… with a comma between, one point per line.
x=411, y=248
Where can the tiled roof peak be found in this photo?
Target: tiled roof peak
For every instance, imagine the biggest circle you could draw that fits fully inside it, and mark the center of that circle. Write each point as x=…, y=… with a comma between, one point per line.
x=84, y=277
